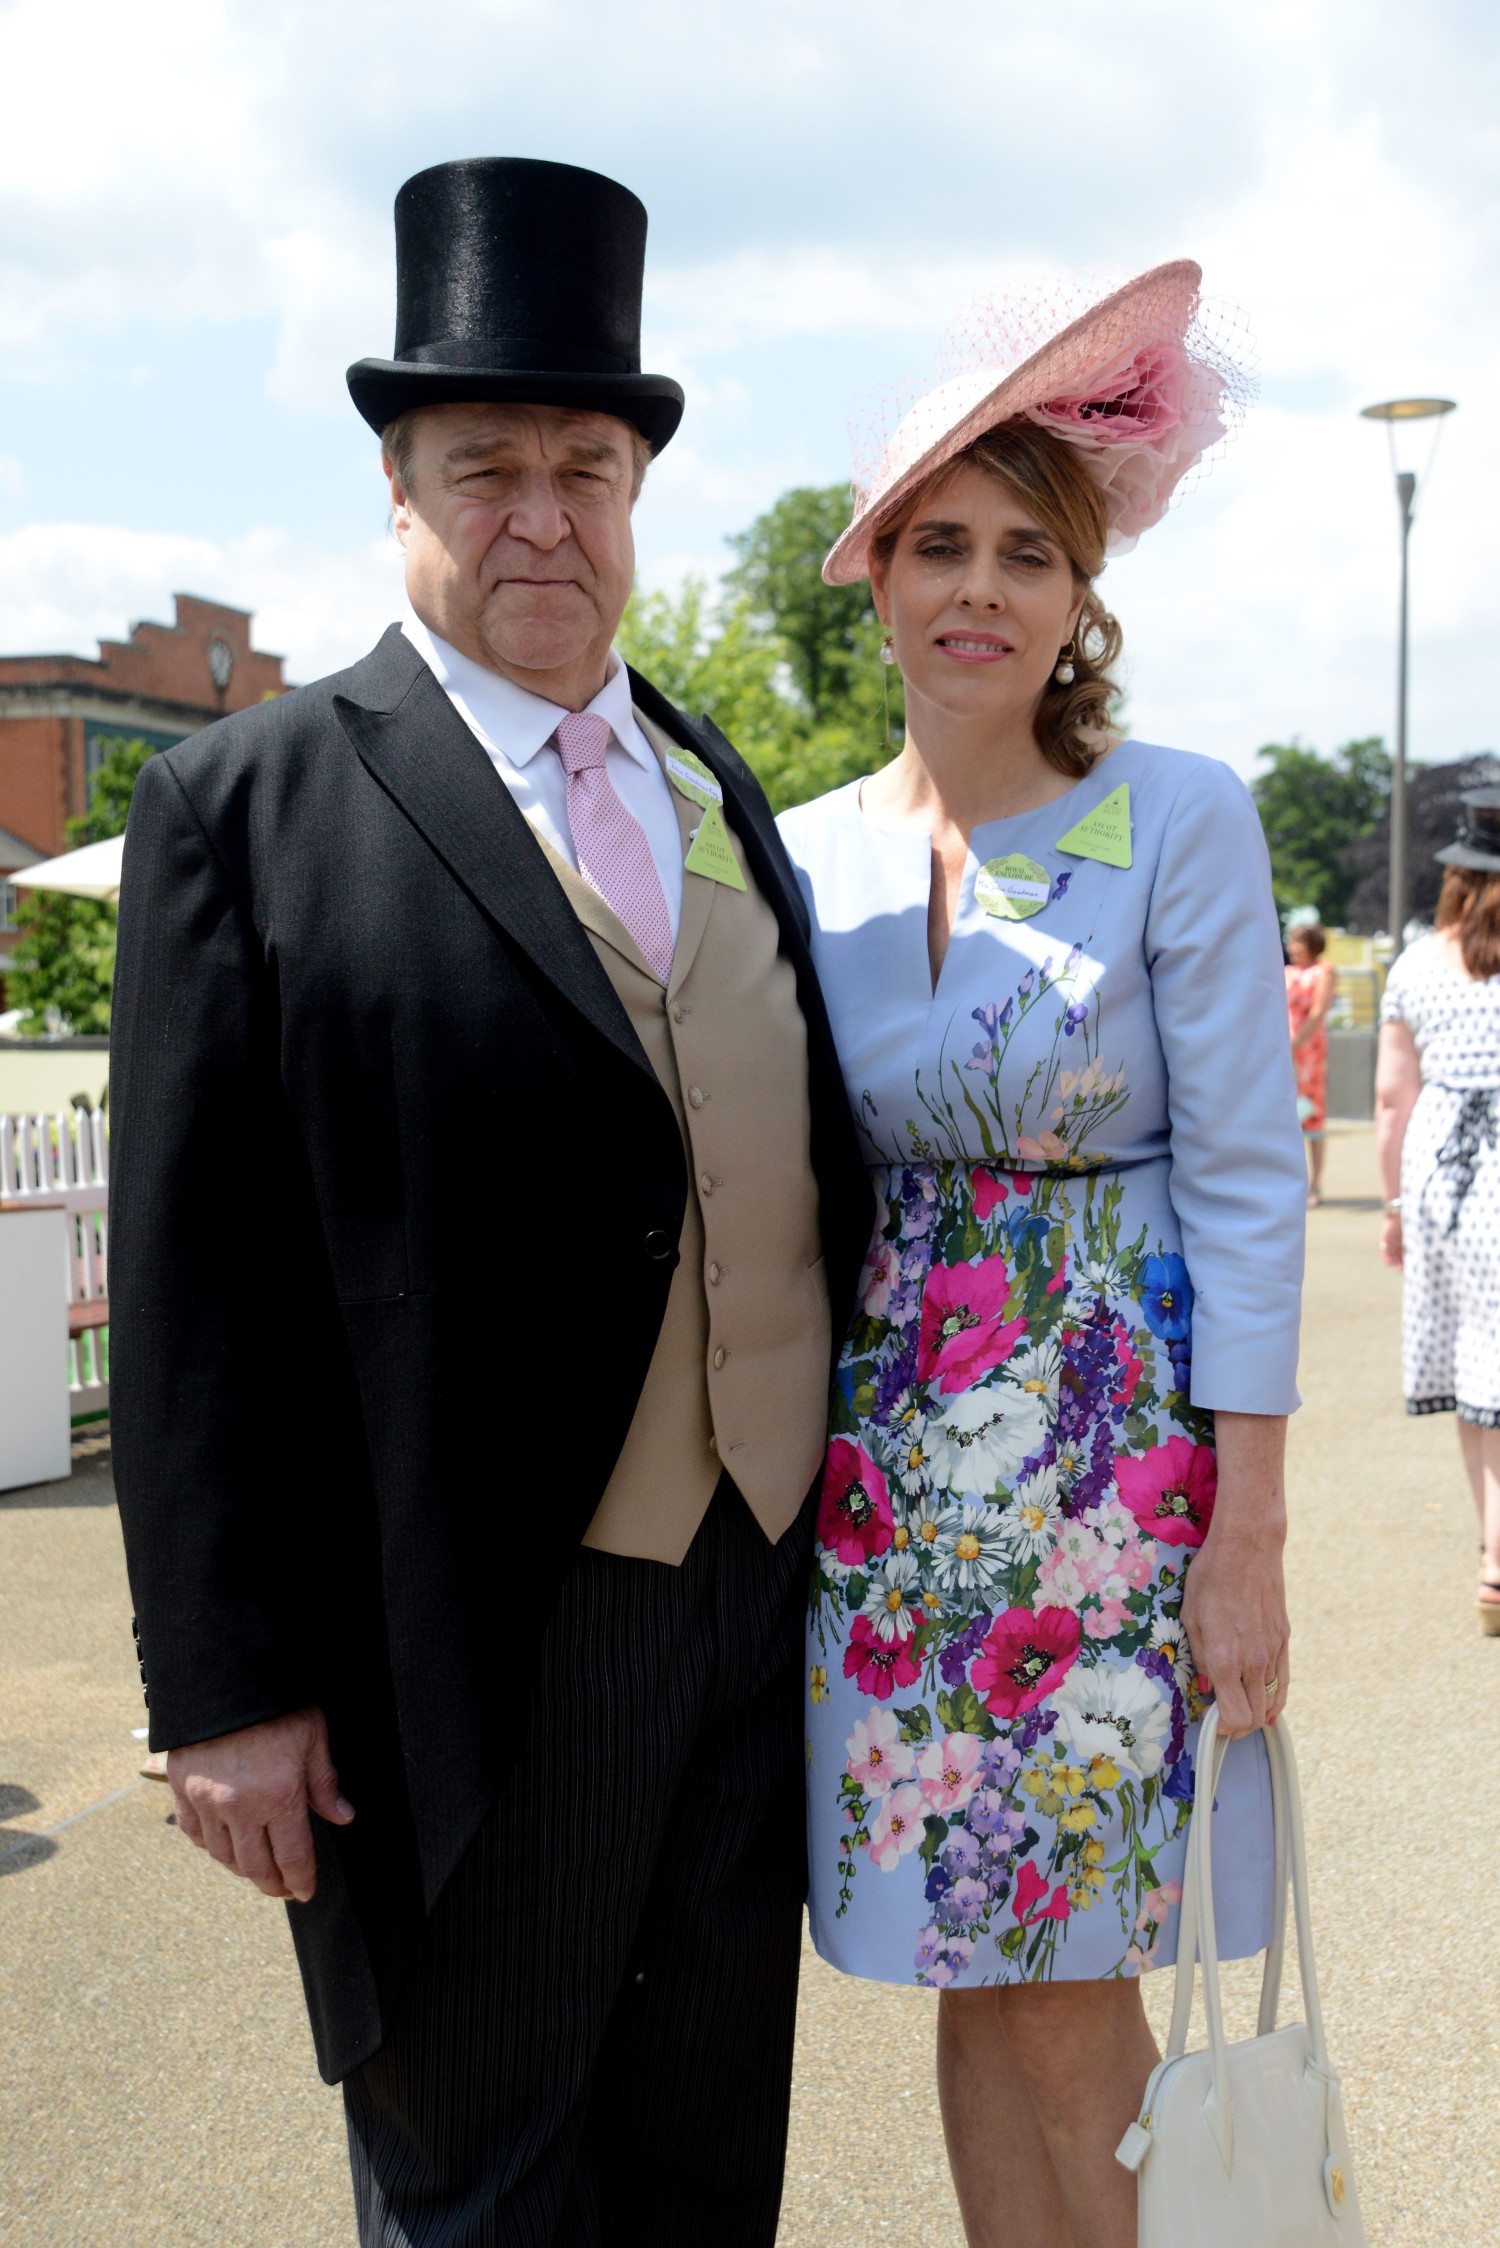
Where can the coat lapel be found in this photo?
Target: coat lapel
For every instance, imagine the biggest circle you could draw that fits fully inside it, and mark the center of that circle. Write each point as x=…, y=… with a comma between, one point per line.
x=414, y=744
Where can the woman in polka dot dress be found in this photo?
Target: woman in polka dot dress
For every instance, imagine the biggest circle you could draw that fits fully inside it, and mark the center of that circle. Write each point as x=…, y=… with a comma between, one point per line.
x=1438, y=1116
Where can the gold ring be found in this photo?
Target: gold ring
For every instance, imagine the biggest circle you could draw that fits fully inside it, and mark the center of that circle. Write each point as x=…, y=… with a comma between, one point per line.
x=1273, y=1686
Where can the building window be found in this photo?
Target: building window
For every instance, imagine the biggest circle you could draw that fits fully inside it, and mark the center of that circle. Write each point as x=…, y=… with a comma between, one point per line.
x=10, y=898
x=99, y=738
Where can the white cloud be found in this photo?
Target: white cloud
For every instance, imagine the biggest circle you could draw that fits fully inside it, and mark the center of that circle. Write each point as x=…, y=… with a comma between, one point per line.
x=825, y=188
x=63, y=585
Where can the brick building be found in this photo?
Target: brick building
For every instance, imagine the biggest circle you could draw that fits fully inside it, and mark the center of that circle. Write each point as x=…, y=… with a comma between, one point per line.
x=59, y=714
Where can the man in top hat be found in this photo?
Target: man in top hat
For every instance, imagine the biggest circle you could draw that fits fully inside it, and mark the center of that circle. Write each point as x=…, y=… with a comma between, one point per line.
x=464, y=1000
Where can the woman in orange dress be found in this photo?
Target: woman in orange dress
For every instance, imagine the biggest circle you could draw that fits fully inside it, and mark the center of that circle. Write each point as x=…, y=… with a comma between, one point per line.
x=1310, y=985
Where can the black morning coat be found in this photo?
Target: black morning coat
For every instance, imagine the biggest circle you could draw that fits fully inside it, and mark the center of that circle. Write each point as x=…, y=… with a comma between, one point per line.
x=395, y=1204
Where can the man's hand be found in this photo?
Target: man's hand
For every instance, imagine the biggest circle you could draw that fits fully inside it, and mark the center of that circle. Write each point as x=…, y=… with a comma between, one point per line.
x=244, y=1798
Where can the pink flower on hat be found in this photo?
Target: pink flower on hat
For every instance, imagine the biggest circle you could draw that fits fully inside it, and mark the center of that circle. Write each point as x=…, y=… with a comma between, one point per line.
x=1143, y=421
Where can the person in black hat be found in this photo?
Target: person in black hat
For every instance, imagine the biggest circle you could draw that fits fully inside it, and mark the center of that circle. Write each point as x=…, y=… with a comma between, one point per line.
x=1437, y=1115
x=469, y=991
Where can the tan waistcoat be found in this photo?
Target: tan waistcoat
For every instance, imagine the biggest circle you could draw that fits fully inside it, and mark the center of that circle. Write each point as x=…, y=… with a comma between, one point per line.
x=739, y=1377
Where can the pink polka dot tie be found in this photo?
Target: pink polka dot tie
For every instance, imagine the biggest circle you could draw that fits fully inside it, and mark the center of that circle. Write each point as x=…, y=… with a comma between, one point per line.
x=613, y=853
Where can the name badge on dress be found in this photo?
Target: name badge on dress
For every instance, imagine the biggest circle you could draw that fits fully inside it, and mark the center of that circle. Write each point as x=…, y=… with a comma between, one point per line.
x=1103, y=833
x=1012, y=888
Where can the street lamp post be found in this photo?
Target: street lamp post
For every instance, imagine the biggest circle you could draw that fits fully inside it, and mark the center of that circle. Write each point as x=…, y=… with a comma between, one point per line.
x=1396, y=413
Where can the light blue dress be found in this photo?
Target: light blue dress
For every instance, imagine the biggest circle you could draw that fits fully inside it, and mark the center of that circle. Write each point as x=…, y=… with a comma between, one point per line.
x=1089, y=1237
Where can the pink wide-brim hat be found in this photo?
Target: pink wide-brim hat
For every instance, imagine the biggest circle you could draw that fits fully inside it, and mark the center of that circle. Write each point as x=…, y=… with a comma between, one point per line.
x=1136, y=375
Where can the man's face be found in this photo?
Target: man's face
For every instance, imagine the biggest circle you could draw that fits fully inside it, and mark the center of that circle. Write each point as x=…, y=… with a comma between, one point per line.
x=516, y=526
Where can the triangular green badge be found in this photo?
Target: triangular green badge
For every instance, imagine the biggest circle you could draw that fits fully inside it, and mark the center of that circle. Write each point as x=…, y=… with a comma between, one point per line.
x=1103, y=833
x=713, y=853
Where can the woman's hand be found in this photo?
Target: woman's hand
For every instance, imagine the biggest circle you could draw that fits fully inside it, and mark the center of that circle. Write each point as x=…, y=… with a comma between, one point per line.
x=1391, y=1248
x=1234, y=1606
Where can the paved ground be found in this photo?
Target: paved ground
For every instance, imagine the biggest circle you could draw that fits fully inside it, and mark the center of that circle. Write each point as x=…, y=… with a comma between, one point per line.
x=156, y=2079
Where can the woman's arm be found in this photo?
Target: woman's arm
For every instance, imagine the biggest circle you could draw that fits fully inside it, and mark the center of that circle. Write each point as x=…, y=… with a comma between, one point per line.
x=1398, y=1081
x=1234, y=1607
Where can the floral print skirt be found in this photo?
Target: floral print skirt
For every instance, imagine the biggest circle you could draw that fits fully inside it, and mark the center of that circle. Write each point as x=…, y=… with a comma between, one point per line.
x=1002, y=1702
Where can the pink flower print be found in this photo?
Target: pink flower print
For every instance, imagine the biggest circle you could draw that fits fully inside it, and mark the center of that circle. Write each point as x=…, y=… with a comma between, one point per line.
x=881, y=1273
x=1157, y=1903
x=1170, y=1490
x=948, y=1772
x=1021, y=1181
x=878, y=1757
x=1026, y=1652
x=962, y=1335
x=988, y=1192
x=1030, y=1888
x=1131, y=1367
x=1109, y=1618
x=854, y=1510
x=1045, y=1147
x=880, y=1665
x=897, y=1825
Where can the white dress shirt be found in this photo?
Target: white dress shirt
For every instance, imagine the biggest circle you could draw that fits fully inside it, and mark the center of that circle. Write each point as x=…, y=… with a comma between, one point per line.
x=516, y=728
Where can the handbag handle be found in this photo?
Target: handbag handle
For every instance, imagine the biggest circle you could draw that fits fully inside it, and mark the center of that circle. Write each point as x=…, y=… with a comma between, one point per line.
x=1196, y=1942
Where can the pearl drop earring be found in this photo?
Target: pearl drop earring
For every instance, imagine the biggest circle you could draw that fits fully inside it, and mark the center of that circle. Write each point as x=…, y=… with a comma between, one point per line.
x=1065, y=674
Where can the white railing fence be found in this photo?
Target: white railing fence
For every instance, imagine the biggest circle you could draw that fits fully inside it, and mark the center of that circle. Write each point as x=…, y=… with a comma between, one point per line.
x=62, y=1163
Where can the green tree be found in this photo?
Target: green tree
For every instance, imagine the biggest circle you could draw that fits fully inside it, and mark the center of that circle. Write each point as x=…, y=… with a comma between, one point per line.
x=829, y=632
x=65, y=950
x=1314, y=811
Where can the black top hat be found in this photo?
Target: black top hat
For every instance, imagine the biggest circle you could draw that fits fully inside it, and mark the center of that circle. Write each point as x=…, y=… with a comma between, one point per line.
x=1478, y=842
x=518, y=280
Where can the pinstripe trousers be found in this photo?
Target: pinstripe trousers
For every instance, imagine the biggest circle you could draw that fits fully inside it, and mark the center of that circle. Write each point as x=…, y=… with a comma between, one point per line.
x=594, y=2044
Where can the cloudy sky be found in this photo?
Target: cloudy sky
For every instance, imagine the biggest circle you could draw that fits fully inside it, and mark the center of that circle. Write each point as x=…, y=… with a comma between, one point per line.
x=196, y=240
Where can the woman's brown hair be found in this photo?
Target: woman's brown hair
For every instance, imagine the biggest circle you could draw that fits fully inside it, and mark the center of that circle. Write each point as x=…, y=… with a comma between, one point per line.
x=1313, y=935
x=1073, y=723
x=1469, y=903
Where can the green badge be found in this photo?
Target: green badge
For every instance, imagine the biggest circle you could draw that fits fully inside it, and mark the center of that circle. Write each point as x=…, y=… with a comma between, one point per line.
x=691, y=778
x=712, y=853
x=1103, y=833
x=1012, y=888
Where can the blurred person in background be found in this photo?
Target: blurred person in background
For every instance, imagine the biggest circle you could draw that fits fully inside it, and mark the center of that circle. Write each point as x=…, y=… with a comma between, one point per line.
x=1437, y=1101
x=1310, y=988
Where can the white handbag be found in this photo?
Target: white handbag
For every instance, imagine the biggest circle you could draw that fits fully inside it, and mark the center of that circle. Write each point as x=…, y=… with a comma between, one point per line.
x=1244, y=2146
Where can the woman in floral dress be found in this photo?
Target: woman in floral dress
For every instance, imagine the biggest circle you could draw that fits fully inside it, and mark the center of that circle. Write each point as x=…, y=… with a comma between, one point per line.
x=1053, y=969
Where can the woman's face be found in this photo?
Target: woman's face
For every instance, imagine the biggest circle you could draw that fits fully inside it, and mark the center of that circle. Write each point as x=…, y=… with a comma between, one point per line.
x=978, y=598
x=1297, y=949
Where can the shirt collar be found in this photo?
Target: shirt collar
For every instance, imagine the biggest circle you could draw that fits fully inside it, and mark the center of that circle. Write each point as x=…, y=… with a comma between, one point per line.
x=510, y=720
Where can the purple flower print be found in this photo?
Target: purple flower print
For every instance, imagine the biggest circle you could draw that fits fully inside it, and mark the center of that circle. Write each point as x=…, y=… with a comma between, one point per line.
x=939, y=1882
x=1001, y=1846
x=1178, y=1785
x=1023, y=988
x=892, y=1380
x=981, y=1058
x=1074, y=1018
x=962, y=1904
x=988, y=1019
x=1073, y=959
x=999, y=1763
x=989, y=1812
x=954, y=1661
x=961, y=1854
x=1060, y=885
x=1034, y=1726
x=941, y=1957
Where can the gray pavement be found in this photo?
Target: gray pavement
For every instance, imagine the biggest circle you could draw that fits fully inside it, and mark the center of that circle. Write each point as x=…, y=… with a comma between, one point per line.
x=156, y=2077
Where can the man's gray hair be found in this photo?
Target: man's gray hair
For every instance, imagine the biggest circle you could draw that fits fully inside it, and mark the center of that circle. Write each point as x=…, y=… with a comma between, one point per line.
x=398, y=444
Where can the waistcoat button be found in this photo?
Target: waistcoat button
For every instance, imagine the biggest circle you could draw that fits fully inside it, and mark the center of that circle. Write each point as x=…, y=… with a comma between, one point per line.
x=719, y=1357
x=706, y=1184
x=695, y=1097
x=658, y=1244
x=714, y=1275
x=679, y=1014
